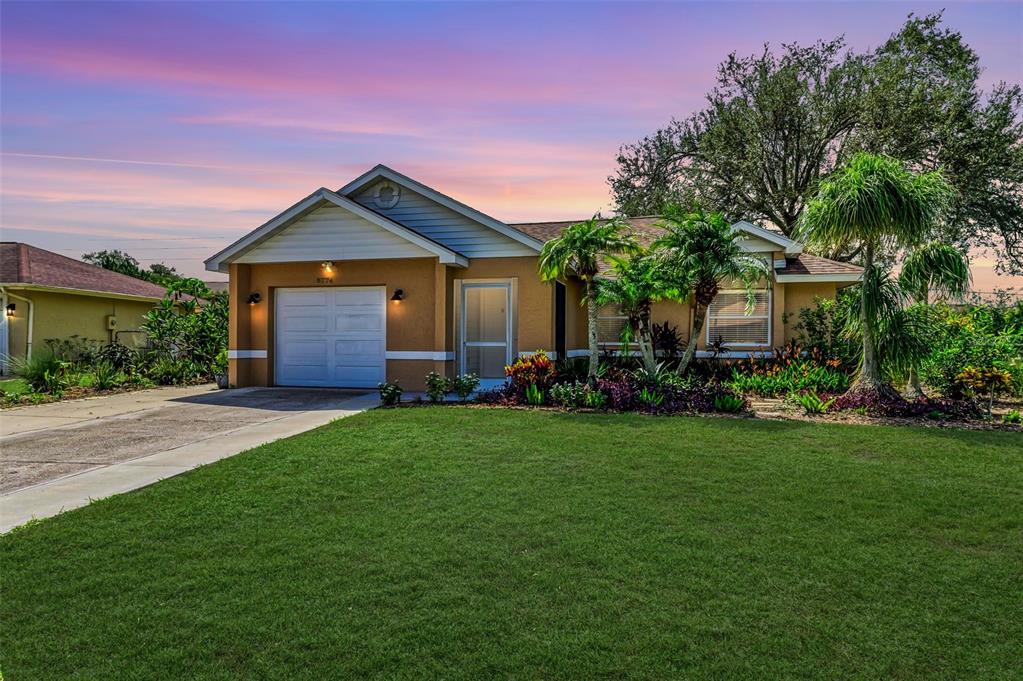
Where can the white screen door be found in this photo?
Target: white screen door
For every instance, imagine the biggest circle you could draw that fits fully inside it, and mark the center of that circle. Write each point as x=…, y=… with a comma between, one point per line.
x=486, y=330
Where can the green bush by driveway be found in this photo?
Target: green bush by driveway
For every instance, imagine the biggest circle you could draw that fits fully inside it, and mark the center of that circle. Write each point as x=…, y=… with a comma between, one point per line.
x=475, y=543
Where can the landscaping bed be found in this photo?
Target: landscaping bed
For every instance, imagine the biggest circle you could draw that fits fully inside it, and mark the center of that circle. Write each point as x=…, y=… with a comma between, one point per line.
x=472, y=543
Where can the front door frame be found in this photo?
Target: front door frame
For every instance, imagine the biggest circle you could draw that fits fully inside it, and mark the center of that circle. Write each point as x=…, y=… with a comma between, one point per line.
x=511, y=286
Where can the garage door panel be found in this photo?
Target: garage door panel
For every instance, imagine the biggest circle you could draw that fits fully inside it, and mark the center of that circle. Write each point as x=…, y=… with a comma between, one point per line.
x=331, y=337
x=303, y=322
x=358, y=322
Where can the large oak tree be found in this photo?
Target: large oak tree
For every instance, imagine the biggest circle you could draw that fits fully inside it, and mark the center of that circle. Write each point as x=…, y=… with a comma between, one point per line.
x=776, y=124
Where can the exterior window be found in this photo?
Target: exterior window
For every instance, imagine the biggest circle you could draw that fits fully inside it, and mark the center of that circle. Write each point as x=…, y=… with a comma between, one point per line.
x=610, y=322
x=727, y=319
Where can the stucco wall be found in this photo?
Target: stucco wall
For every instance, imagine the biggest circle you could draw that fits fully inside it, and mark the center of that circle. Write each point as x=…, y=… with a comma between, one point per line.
x=799, y=296
x=62, y=315
x=412, y=324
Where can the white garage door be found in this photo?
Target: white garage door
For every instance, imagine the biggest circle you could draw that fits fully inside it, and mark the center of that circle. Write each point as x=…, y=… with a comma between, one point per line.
x=331, y=337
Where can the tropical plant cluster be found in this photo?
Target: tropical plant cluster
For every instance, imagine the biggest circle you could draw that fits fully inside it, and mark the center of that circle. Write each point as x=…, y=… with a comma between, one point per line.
x=186, y=342
x=620, y=386
x=788, y=370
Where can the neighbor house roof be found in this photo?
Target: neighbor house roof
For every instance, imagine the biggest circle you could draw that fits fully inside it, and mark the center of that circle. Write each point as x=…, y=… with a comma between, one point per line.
x=26, y=266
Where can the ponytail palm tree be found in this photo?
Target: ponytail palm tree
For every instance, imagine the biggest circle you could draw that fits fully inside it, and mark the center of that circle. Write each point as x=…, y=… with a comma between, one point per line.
x=874, y=202
x=580, y=250
x=936, y=267
x=703, y=250
x=634, y=285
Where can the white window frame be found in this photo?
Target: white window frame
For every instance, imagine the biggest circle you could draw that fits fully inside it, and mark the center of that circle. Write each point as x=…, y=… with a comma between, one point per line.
x=770, y=317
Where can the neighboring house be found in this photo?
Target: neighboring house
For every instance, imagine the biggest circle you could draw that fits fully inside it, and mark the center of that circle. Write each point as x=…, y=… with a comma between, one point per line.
x=388, y=279
x=47, y=295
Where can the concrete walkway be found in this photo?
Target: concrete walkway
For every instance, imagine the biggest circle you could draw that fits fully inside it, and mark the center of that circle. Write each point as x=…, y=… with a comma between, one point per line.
x=60, y=456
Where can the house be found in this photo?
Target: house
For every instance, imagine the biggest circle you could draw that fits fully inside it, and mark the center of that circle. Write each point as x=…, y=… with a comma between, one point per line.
x=388, y=279
x=47, y=295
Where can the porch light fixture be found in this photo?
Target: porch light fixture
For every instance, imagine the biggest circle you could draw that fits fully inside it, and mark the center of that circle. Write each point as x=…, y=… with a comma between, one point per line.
x=399, y=295
x=11, y=307
x=328, y=266
x=254, y=298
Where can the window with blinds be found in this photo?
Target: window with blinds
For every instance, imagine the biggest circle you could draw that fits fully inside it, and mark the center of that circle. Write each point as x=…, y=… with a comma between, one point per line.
x=610, y=322
x=727, y=319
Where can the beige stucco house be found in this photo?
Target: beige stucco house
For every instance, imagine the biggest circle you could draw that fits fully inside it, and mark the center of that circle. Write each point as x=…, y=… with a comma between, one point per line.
x=388, y=279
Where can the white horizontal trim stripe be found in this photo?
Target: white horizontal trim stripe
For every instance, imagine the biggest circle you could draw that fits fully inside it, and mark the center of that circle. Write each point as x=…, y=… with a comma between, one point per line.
x=529, y=353
x=420, y=354
x=246, y=354
x=577, y=353
x=735, y=354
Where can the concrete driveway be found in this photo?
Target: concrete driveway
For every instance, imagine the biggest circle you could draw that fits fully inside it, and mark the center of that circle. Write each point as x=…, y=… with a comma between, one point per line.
x=58, y=456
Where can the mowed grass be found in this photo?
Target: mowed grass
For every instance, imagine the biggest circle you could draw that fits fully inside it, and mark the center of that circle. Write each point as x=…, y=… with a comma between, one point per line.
x=470, y=543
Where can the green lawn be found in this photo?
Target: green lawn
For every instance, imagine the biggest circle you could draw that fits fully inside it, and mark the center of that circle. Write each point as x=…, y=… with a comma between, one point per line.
x=468, y=543
x=17, y=386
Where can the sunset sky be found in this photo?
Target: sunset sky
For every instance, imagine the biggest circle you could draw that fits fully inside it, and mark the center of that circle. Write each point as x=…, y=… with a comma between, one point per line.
x=169, y=130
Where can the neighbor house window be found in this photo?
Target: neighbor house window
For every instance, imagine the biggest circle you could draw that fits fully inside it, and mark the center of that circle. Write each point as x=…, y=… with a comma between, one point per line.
x=610, y=322
x=727, y=319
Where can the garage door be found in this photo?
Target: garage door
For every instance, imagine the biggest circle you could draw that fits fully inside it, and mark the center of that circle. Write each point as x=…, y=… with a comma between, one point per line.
x=330, y=337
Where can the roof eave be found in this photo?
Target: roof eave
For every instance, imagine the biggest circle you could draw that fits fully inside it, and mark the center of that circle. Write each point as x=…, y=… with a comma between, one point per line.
x=849, y=277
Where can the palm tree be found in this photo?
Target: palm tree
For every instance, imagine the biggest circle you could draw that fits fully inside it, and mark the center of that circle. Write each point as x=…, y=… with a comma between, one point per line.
x=874, y=202
x=936, y=267
x=704, y=250
x=580, y=250
x=634, y=285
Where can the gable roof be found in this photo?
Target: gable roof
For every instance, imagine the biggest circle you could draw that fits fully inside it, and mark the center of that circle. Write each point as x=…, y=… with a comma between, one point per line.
x=382, y=171
x=322, y=196
x=26, y=266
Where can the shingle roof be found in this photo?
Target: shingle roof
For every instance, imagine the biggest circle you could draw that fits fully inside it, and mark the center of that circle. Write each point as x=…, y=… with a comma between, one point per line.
x=805, y=263
x=647, y=230
x=24, y=264
x=645, y=227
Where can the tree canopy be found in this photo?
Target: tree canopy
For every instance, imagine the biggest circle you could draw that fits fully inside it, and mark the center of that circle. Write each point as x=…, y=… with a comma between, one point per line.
x=119, y=261
x=776, y=124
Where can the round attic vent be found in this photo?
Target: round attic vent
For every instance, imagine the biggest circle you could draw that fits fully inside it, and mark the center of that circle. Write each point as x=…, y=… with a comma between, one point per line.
x=386, y=195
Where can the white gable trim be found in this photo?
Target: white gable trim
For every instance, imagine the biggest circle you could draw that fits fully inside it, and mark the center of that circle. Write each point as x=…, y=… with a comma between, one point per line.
x=791, y=247
x=444, y=200
x=836, y=277
x=220, y=261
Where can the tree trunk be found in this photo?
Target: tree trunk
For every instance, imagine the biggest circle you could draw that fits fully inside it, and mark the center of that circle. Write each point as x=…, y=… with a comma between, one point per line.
x=646, y=343
x=913, y=387
x=591, y=329
x=699, y=317
x=869, y=380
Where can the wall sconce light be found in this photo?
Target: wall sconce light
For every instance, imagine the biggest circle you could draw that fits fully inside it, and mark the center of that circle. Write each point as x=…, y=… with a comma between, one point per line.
x=399, y=295
x=328, y=266
x=254, y=298
x=11, y=307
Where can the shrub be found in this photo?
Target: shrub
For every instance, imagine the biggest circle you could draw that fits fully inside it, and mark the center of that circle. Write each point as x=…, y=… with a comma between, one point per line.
x=811, y=402
x=987, y=380
x=503, y=396
x=44, y=372
x=783, y=375
x=1012, y=416
x=170, y=371
x=534, y=395
x=577, y=394
x=536, y=369
x=464, y=385
x=729, y=403
x=106, y=376
x=77, y=351
x=191, y=329
x=220, y=363
x=897, y=406
x=436, y=386
x=650, y=398
x=120, y=356
x=822, y=329
x=667, y=340
x=390, y=393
